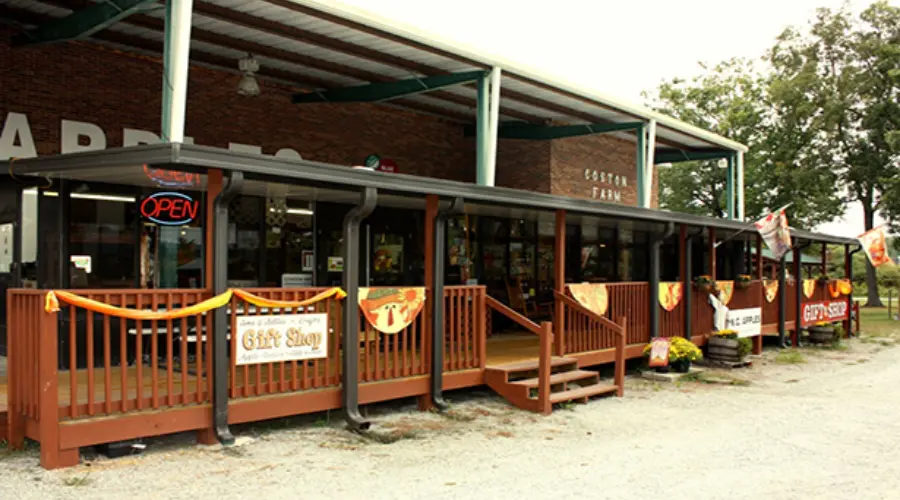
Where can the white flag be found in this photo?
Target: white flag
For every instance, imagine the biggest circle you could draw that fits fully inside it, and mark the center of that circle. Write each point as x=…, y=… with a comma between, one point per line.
x=774, y=230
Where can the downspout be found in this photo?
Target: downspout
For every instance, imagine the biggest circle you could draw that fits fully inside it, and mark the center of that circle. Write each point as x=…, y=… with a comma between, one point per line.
x=350, y=359
x=687, y=285
x=798, y=271
x=655, y=244
x=220, y=316
x=437, y=287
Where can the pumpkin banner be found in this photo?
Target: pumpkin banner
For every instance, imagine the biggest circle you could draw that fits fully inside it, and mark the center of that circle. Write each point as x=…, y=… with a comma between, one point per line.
x=874, y=243
x=390, y=310
x=670, y=295
x=592, y=296
x=726, y=291
x=809, y=288
x=771, y=289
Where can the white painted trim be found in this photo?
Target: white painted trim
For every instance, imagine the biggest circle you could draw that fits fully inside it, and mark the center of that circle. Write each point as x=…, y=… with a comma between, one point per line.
x=177, y=66
x=494, y=120
x=649, y=160
x=739, y=189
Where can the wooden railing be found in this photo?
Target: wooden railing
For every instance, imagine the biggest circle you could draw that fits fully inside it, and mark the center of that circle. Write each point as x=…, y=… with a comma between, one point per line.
x=465, y=332
x=703, y=319
x=791, y=301
x=770, y=309
x=630, y=300
x=603, y=327
x=671, y=323
x=545, y=333
x=749, y=297
x=26, y=330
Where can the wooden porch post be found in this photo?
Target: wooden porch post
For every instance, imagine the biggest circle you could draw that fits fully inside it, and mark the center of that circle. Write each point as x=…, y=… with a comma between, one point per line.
x=848, y=271
x=52, y=457
x=758, y=340
x=559, y=281
x=432, y=203
x=824, y=259
x=682, y=270
x=214, y=181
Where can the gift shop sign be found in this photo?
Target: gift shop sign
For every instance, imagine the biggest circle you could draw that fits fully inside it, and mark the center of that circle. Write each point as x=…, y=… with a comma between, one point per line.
x=829, y=311
x=170, y=208
x=286, y=337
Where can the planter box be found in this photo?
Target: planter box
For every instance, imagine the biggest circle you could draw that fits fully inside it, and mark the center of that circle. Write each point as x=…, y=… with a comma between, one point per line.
x=719, y=349
x=821, y=334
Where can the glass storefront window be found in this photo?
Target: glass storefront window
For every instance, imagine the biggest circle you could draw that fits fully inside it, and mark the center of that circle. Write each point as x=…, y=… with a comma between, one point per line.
x=289, y=250
x=243, y=241
x=494, y=232
x=462, y=246
x=598, y=259
x=387, y=259
x=102, y=239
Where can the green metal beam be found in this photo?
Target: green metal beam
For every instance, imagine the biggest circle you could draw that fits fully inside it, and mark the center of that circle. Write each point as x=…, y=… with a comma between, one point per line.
x=640, y=165
x=383, y=91
x=549, y=132
x=81, y=23
x=680, y=155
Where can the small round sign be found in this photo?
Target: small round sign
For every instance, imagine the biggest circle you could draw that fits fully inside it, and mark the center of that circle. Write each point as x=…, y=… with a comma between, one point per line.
x=373, y=162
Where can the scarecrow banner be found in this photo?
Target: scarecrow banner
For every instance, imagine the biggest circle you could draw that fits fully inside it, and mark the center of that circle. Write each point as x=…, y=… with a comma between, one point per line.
x=875, y=245
x=592, y=296
x=659, y=352
x=670, y=295
x=390, y=310
x=809, y=288
x=774, y=230
x=845, y=287
x=726, y=291
x=771, y=289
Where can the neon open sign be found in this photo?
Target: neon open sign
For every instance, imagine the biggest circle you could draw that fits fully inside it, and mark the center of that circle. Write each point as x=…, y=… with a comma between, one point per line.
x=169, y=208
x=171, y=178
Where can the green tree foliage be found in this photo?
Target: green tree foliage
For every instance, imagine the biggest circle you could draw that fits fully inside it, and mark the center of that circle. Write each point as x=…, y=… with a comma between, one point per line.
x=822, y=122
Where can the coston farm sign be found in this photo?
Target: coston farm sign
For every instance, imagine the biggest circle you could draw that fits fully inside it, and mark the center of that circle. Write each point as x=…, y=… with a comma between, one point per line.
x=170, y=208
x=829, y=311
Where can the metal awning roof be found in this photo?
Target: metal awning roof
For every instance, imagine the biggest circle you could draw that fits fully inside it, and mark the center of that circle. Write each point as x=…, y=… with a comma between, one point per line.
x=323, y=44
x=126, y=165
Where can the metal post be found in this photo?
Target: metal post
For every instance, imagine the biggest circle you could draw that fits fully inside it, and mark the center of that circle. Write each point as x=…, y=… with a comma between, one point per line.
x=798, y=272
x=655, y=243
x=482, y=129
x=729, y=187
x=220, y=316
x=176, y=56
x=437, y=317
x=687, y=284
x=740, y=186
x=350, y=345
x=640, y=166
x=782, y=301
x=491, y=170
x=649, y=159
x=849, y=264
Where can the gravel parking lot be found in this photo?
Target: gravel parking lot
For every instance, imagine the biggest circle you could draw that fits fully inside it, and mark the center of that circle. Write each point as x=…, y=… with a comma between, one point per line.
x=826, y=428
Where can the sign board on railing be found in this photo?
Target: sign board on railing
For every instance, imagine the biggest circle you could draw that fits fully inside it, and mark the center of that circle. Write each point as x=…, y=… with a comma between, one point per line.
x=827, y=310
x=287, y=337
x=746, y=322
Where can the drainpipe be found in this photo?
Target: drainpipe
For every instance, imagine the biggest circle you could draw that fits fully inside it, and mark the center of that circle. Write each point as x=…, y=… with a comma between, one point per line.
x=798, y=271
x=687, y=285
x=849, y=265
x=220, y=318
x=350, y=359
x=437, y=287
x=655, y=243
x=782, y=301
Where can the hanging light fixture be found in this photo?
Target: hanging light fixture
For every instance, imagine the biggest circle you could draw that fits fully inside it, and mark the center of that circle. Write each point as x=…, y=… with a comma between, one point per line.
x=248, y=86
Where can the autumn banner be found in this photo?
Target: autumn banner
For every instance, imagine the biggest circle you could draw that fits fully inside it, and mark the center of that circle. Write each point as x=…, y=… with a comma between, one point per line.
x=874, y=243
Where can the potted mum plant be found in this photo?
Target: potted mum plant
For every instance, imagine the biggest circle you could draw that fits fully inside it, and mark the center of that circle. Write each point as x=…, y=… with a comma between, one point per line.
x=705, y=284
x=822, y=332
x=743, y=282
x=726, y=346
x=681, y=354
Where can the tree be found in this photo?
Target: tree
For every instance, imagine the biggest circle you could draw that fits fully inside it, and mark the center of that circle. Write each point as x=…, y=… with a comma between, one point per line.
x=734, y=99
x=842, y=79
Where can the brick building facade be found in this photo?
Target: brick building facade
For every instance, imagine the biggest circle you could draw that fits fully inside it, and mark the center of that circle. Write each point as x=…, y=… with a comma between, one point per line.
x=78, y=95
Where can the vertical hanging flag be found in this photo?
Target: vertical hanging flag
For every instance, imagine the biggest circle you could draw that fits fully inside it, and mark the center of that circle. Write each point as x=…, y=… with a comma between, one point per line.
x=774, y=230
x=875, y=245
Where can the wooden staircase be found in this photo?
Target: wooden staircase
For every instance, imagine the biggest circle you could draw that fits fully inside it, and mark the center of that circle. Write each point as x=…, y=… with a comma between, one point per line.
x=519, y=383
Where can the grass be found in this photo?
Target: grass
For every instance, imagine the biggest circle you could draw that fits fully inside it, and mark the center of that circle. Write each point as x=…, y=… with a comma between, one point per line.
x=790, y=357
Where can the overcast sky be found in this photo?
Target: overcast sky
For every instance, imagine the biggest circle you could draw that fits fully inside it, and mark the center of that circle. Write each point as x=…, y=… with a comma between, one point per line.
x=620, y=48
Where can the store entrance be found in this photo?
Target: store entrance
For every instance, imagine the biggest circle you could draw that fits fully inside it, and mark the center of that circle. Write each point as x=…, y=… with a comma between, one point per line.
x=171, y=256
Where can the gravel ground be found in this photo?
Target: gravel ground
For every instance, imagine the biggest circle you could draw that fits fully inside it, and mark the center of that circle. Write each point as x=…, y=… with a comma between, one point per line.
x=825, y=429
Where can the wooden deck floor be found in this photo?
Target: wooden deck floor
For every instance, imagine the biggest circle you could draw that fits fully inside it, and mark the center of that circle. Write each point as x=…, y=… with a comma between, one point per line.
x=501, y=349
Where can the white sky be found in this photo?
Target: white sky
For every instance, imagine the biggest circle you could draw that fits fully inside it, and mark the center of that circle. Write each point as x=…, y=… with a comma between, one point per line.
x=620, y=48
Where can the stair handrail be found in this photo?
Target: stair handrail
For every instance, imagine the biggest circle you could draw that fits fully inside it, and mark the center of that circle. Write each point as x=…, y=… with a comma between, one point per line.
x=621, y=331
x=545, y=333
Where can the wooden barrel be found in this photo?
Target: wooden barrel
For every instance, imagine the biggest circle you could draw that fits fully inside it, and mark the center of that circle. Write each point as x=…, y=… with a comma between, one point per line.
x=821, y=334
x=722, y=349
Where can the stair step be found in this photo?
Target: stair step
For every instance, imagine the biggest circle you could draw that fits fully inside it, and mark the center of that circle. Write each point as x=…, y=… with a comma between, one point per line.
x=558, y=378
x=533, y=364
x=582, y=392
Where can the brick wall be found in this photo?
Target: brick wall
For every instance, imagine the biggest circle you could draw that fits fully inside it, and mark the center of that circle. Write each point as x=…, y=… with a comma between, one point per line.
x=115, y=90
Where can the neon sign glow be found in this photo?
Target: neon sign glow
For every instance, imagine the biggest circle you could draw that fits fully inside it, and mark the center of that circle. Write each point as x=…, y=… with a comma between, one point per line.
x=170, y=208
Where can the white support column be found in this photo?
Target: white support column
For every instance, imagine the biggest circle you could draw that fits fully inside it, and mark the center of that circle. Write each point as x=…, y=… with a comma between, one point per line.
x=740, y=185
x=175, y=68
x=494, y=122
x=650, y=162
